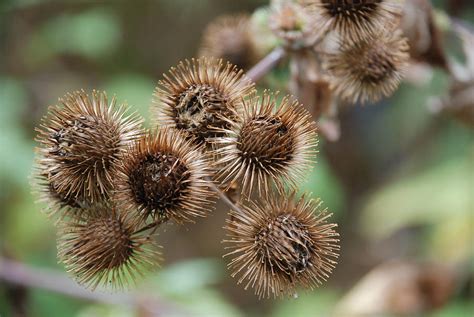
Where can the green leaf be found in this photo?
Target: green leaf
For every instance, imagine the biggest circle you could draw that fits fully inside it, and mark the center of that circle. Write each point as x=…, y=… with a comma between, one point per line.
x=133, y=89
x=421, y=199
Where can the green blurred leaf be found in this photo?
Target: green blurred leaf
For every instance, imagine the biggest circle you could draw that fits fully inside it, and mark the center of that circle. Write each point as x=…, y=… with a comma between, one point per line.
x=13, y=102
x=93, y=34
x=186, y=277
x=456, y=309
x=420, y=199
x=26, y=224
x=135, y=90
x=106, y=311
x=317, y=303
x=189, y=284
x=322, y=183
x=17, y=148
x=43, y=303
x=440, y=197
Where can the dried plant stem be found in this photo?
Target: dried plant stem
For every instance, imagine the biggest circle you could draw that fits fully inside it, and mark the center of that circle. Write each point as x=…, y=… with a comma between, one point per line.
x=225, y=198
x=19, y=274
x=152, y=225
x=266, y=64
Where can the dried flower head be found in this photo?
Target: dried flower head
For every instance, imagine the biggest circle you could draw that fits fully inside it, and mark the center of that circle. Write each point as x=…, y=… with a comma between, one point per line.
x=199, y=96
x=164, y=176
x=229, y=37
x=271, y=143
x=369, y=69
x=354, y=19
x=281, y=244
x=424, y=35
x=80, y=144
x=292, y=23
x=102, y=247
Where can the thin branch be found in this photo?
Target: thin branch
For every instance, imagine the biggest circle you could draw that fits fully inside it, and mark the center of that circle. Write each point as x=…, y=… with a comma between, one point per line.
x=152, y=225
x=224, y=197
x=16, y=273
x=266, y=64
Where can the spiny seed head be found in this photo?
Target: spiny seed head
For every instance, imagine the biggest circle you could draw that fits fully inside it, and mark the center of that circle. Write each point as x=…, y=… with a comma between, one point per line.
x=228, y=37
x=292, y=23
x=281, y=244
x=272, y=142
x=164, y=176
x=80, y=144
x=102, y=247
x=355, y=19
x=369, y=69
x=199, y=96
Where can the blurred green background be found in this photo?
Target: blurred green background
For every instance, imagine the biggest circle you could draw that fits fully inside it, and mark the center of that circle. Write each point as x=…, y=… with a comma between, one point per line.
x=391, y=200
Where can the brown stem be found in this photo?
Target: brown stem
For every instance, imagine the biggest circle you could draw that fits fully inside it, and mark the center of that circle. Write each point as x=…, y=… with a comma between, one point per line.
x=266, y=64
x=224, y=197
x=153, y=225
x=16, y=273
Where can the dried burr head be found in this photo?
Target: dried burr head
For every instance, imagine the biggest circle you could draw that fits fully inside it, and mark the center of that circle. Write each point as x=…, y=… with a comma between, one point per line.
x=199, y=97
x=355, y=19
x=229, y=38
x=281, y=244
x=369, y=69
x=80, y=145
x=103, y=248
x=272, y=143
x=163, y=176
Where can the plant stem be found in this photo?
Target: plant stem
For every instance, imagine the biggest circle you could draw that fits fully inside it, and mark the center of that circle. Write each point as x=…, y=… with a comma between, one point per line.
x=153, y=225
x=266, y=64
x=16, y=273
x=224, y=197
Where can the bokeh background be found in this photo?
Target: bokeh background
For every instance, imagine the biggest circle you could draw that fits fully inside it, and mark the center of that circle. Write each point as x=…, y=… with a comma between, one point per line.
x=400, y=181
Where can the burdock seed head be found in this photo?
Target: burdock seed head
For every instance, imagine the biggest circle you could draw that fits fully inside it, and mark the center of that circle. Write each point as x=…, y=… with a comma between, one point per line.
x=271, y=143
x=280, y=245
x=163, y=176
x=369, y=69
x=293, y=24
x=80, y=143
x=102, y=247
x=229, y=37
x=199, y=96
x=355, y=19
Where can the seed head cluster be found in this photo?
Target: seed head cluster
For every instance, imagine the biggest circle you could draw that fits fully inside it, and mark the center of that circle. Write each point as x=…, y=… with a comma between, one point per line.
x=112, y=185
